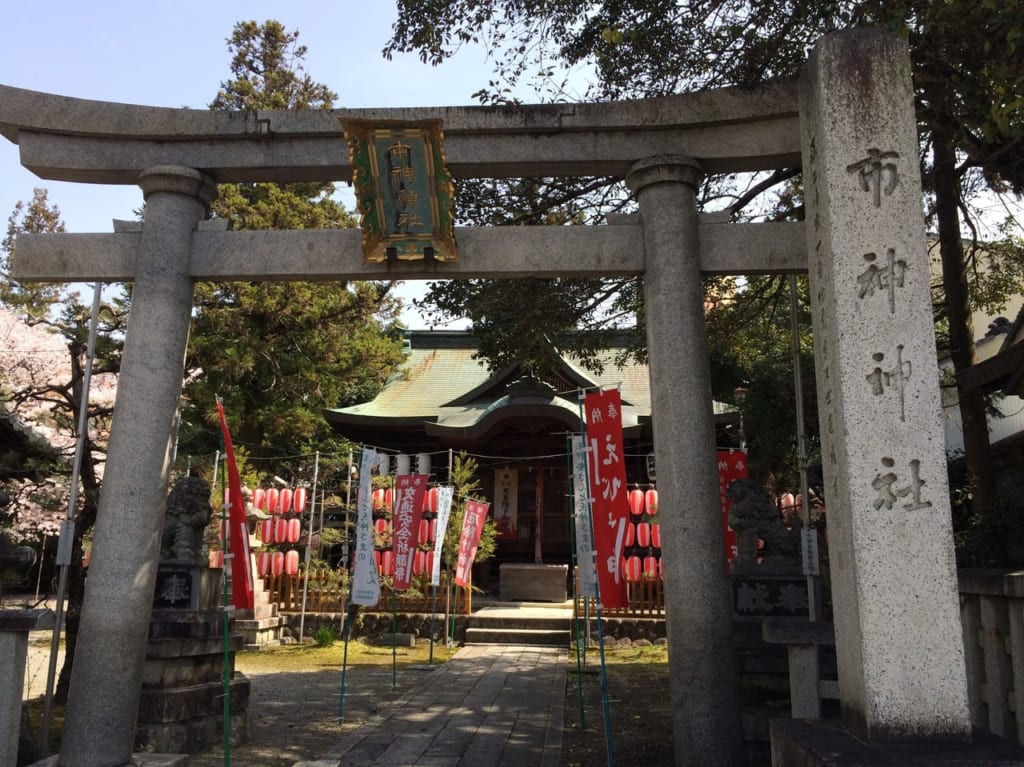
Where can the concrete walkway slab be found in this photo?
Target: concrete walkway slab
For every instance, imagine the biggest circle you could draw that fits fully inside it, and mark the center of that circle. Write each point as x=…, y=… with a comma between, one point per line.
x=499, y=704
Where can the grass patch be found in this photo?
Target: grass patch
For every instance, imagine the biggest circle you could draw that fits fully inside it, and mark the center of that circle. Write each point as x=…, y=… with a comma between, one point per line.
x=310, y=657
x=653, y=654
x=35, y=718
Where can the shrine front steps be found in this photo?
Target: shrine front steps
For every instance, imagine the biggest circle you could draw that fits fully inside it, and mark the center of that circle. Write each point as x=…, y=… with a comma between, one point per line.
x=521, y=624
x=261, y=626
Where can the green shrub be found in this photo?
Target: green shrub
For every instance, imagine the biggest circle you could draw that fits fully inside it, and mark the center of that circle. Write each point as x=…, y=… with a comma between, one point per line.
x=325, y=636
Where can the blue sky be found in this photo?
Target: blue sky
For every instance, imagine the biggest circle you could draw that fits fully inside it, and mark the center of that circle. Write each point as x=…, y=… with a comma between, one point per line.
x=174, y=54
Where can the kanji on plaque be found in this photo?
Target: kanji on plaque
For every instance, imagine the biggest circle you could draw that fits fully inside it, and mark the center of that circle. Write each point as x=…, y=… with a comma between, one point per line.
x=609, y=500
x=472, y=526
x=408, y=507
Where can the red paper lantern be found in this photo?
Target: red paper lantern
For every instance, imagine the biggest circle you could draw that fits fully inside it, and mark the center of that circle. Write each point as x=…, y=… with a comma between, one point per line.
x=263, y=563
x=636, y=502
x=643, y=534
x=285, y=500
x=380, y=525
x=433, y=529
x=267, y=531
x=650, y=567
x=388, y=493
x=630, y=534
x=280, y=530
x=419, y=562
x=299, y=500
x=291, y=562
x=272, y=503
x=651, y=501
x=424, y=536
x=259, y=497
x=277, y=563
x=387, y=562
x=294, y=530
x=656, y=536
x=432, y=498
x=634, y=569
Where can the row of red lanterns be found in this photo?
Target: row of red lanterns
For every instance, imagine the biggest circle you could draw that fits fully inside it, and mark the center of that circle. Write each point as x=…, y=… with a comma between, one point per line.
x=382, y=497
x=267, y=562
x=279, y=501
x=422, y=562
x=277, y=562
x=643, y=534
x=643, y=502
x=280, y=530
x=642, y=568
x=425, y=534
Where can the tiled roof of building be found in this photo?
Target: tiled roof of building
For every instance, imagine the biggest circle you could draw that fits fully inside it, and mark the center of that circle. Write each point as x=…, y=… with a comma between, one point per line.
x=443, y=382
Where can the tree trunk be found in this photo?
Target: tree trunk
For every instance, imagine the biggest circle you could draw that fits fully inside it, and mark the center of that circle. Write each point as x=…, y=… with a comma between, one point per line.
x=85, y=518
x=977, y=450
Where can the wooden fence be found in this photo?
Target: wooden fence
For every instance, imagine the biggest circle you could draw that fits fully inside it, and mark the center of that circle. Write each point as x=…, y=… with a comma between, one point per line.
x=327, y=592
x=646, y=600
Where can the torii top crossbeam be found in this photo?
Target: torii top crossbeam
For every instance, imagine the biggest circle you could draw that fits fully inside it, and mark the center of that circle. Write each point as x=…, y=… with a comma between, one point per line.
x=731, y=130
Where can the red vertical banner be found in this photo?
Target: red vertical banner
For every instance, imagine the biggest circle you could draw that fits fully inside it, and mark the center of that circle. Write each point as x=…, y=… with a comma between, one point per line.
x=472, y=526
x=732, y=465
x=238, y=527
x=610, y=503
x=405, y=523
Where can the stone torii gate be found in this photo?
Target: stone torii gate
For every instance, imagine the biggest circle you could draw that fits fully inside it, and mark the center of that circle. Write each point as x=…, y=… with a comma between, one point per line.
x=849, y=123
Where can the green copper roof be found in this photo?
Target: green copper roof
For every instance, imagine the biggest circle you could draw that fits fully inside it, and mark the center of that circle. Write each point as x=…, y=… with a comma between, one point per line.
x=443, y=388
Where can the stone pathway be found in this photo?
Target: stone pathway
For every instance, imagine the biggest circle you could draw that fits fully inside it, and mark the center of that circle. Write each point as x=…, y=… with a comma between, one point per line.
x=490, y=704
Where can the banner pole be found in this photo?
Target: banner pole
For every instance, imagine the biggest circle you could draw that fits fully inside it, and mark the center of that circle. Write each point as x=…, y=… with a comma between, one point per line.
x=346, y=633
x=433, y=624
x=574, y=561
x=309, y=543
x=394, y=639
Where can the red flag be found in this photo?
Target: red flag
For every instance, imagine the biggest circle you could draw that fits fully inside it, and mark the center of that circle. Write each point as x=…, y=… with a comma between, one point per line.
x=405, y=524
x=241, y=571
x=472, y=526
x=610, y=502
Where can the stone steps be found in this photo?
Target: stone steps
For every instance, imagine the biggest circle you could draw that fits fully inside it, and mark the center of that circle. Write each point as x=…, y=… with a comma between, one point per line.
x=519, y=636
x=545, y=627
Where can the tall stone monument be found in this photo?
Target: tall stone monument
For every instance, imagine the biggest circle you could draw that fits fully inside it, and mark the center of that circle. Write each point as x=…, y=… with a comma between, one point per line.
x=894, y=588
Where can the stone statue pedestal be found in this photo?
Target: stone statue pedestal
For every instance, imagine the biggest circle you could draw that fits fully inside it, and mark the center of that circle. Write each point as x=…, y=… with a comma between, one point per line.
x=758, y=596
x=182, y=705
x=801, y=743
x=14, y=628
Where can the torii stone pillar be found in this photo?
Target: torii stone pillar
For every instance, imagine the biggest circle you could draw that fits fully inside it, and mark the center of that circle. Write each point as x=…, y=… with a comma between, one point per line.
x=706, y=722
x=894, y=587
x=122, y=576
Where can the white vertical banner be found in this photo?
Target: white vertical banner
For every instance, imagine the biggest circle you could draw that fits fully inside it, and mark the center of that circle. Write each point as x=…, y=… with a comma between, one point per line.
x=444, y=513
x=585, y=553
x=365, y=581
